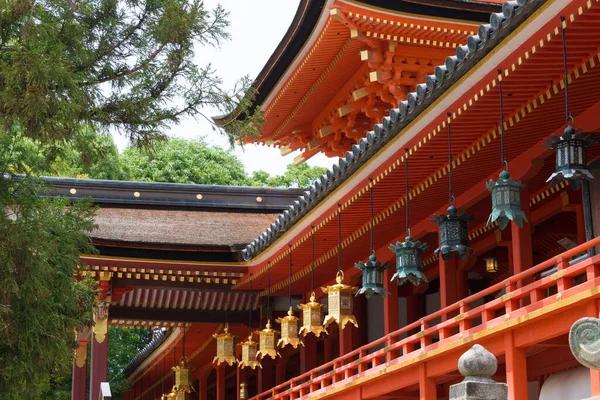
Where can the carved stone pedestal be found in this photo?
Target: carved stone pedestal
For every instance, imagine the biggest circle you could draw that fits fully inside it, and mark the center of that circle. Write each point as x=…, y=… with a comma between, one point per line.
x=477, y=366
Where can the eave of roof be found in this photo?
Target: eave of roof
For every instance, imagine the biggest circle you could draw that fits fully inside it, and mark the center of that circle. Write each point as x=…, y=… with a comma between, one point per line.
x=514, y=13
x=308, y=15
x=134, y=194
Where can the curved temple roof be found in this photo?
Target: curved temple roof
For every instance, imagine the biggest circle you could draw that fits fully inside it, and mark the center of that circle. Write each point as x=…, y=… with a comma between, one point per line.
x=490, y=34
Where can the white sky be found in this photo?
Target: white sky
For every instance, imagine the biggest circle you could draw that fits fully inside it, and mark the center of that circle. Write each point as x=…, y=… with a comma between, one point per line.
x=256, y=27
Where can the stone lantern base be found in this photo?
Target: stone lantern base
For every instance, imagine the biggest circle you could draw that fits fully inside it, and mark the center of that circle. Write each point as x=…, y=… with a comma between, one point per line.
x=479, y=391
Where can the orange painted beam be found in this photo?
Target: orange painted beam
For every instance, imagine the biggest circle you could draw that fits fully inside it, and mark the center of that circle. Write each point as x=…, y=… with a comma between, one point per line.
x=516, y=369
x=427, y=387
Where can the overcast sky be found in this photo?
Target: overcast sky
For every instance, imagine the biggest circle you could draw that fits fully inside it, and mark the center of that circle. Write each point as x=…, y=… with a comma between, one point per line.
x=256, y=28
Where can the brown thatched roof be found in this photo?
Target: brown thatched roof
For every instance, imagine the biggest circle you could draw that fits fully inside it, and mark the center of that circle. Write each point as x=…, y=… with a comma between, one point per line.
x=178, y=227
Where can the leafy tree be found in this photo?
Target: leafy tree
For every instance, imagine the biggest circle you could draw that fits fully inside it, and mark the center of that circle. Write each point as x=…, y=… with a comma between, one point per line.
x=41, y=300
x=295, y=176
x=121, y=64
x=124, y=344
x=184, y=161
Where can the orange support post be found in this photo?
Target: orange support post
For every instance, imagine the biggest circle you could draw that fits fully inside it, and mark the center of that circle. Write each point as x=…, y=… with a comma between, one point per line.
x=203, y=387
x=78, y=385
x=280, y=370
x=265, y=375
x=99, y=363
x=327, y=349
x=427, y=387
x=516, y=369
x=241, y=377
x=448, y=287
x=220, y=382
x=390, y=304
x=308, y=354
x=521, y=238
x=346, y=339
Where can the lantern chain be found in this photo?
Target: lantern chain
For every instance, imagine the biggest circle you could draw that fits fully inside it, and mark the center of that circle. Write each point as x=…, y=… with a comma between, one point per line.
x=183, y=342
x=339, y=254
x=164, y=373
x=290, y=279
x=450, y=159
x=564, y=45
x=268, y=288
x=372, y=224
x=312, y=266
x=502, y=156
x=407, y=194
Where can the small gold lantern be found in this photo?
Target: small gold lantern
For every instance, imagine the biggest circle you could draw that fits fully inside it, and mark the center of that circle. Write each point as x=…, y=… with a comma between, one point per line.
x=312, y=317
x=168, y=396
x=491, y=265
x=225, y=347
x=268, y=342
x=340, y=303
x=249, y=354
x=243, y=391
x=183, y=380
x=289, y=330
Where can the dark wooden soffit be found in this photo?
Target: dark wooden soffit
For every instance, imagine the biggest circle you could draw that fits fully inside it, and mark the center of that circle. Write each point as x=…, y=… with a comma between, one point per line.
x=181, y=315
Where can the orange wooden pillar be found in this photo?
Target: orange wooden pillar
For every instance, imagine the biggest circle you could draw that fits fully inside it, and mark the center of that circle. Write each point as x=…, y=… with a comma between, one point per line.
x=220, y=382
x=203, y=387
x=265, y=375
x=241, y=377
x=516, y=369
x=328, y=348
x=99, y=363
x=280, y=370
x=346, y=339
x=390, y=303
x=521, y=238
x=427, y=387
x=308, y=354
x=448, y=288
x=79, y=379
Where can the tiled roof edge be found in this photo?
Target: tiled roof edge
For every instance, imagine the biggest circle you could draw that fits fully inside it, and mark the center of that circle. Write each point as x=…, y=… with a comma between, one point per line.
x=158, y=338
x=489, y=35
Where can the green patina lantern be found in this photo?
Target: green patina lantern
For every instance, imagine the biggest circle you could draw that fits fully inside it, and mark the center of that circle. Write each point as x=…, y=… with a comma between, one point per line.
x=409, y=261
x=571, y=158
x=506, y=201
x=409, y=254
x=372, y=270
x=372, y=277
x=506, y=192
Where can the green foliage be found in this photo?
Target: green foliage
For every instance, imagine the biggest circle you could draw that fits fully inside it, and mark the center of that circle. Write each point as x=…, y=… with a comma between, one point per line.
x=41, y=301
x=124, y=344
x=121, y=64
x=295, y=176
x=184, y=161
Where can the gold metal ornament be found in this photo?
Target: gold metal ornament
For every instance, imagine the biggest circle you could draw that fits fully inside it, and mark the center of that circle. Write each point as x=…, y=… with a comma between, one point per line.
x=249, y=354
x=312, y=317
x=289, y=330
x=243, y=391
x=225, y=347
x=268, y=342
x=183, y=377
x=340, y=303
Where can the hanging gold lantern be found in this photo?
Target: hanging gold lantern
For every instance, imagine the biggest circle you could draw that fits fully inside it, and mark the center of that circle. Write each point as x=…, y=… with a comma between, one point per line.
x=268, y=342
x=289, y=330
x=312, y=317
x=168, y=396
x=243, y=391
x=249, y=354
x=183, y=380
x=340, y=302
x=225, y=347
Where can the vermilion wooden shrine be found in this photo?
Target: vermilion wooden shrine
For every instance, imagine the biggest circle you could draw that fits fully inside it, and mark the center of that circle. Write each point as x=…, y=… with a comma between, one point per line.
x=378, y=83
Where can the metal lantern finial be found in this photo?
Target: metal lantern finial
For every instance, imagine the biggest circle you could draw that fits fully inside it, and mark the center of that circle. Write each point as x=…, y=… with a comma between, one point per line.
x=453, y=232
x=571, y=159
x=268, y=342
x=372, y=270
x=340, y=302
x=225, y=347
x=312, y=312
x=409, y=254
x=506, y=192
x=289, y=330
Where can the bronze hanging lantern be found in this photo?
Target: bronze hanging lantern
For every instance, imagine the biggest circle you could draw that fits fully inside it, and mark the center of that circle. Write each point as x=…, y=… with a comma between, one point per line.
x=506, y=192
x=491, y=265
x=268, y=336
x=225, y=347
x=250, y=346
x=571, y=157
x=372, y=270
x=312, y=312
x=183, y=380
x=453, y=231
x=340, y=299
x=409, y=254
x=289, y=323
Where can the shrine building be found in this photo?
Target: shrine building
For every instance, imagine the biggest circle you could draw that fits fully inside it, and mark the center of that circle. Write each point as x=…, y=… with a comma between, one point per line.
x=462, y=208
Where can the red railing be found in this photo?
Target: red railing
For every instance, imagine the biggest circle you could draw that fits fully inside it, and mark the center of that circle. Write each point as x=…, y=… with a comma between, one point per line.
x=466, y=317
